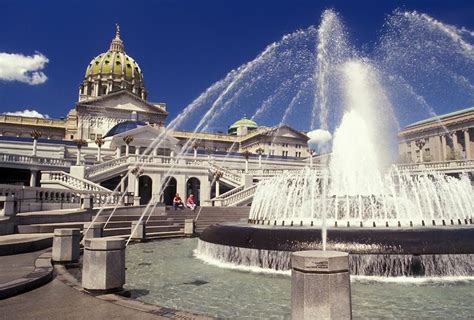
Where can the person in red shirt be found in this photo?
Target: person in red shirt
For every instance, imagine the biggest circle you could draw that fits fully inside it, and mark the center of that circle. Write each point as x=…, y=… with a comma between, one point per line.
x=177, y=202
x=190, y=202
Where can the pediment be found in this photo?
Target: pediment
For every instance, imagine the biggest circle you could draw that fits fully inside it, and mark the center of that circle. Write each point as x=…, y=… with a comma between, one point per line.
x=123, y=100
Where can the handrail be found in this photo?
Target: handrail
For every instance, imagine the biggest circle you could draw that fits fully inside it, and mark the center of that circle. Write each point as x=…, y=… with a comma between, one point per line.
x=101, y=167
x=244, y=194
x=228, y=174
x=436, y=165
x=70, y=181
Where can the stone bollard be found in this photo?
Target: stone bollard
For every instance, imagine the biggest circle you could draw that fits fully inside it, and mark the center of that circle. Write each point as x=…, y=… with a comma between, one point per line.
x=66, y=245
x=95, y=230
x=140, y=230
x=103, y=267
x=320, y=285
x=188, y=227
x=8, y=206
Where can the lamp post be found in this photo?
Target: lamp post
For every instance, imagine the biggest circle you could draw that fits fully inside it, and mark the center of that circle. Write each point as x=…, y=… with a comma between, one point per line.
x=260, y=152
x=35, y=134
x=127, y=140
x=246, y=154
x=99, y=142
x=79, y=144
x=420, y=144
x=137, y=172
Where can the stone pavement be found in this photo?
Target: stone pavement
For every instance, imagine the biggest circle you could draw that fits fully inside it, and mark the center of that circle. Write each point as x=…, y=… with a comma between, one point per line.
x=17, y=266
x=56, y=300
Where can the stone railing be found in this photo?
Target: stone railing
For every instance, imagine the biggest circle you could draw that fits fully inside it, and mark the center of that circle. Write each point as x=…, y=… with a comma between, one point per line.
x=26, y=196
x=237, y=197
x=25, y=159
x=441, y=166
x=227, y=174
x=70, y=182
x=105, y=166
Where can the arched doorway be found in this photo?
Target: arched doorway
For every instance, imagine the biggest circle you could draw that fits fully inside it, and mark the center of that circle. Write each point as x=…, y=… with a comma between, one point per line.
x=144, y=189
x=194, y=186
x=169, y=190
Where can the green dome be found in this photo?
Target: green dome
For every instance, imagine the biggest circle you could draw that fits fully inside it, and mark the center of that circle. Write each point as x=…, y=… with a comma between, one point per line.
x=115, y=62
x=244, y=122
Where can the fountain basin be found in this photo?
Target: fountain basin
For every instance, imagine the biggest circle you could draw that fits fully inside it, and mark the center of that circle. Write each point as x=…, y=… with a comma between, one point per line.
x=390, y=251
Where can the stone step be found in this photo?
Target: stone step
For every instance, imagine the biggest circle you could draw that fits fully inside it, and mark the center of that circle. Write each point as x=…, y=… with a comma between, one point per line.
x=103, y=218
x=47, y=227
x=151, y=230
x=123, y=224
x=164, y=235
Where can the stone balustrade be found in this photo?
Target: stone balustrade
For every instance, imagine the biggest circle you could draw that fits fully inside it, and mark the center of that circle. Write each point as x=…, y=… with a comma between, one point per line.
x=25, y=159
x=69, y=181
x=104, y=166
x=456, y=165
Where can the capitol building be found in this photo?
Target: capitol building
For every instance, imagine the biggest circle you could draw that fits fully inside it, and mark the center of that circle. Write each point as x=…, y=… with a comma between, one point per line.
x=115, y=139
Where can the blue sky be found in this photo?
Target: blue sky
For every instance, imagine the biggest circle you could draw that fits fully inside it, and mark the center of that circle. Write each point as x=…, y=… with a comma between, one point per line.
x=182, y=46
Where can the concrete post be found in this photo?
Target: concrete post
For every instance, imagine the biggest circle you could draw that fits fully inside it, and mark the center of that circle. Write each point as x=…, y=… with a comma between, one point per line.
x=188, y=227
x=93, y=230
x=138, y=230
x=320, y=285
x=78, y=156
x=7, y=206
x=66, y=245
x=444, y=147
x=127, y=149
x=103, y=267
x=455, y=144
x=117, y=152
x=99, y=155
x=247, y=180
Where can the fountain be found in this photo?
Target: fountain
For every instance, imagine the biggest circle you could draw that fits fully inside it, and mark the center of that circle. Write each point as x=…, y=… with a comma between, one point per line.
x=393, y=223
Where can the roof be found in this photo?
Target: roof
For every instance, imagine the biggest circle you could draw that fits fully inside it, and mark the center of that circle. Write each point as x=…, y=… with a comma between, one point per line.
x=443, y=116
x=125, y=126
x=26, y=139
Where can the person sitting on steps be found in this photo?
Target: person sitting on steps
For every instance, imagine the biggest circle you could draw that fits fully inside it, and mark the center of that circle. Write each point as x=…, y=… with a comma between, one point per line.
x=190, y=202
x=177, y=202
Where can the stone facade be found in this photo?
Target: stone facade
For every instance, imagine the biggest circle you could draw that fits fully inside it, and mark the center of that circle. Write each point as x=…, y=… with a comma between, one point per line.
x=443, y=138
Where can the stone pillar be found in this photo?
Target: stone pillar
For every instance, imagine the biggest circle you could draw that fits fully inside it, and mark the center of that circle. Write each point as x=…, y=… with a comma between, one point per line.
x=320, y=285
x=443, y=147
x=103, y=268
x=137, y=150
x=99, y=155
x=127, y=149
x=467, y=143
x=205, y=192
x=138, y=230
x=33, y=177
x=93, y=230
x=247, y=180
x=66, y=245
x=78, y=157
x=188, y=227
x=181, y=185
x=117, y=152
x=122, y=183
x=87, y=202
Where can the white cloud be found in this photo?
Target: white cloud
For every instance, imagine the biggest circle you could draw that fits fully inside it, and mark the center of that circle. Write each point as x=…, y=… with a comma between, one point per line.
x=27, y=69
x=319, y=136
x=28, y=113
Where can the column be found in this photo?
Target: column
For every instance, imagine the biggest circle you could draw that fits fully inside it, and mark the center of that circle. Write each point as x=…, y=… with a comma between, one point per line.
x=137, y=150
x=99, y=156
x=117, y=152
x=205, y=190
x=122, y=183
x=181, y=185
x=35, y=147
x=443, y=147
x=78, y=157
x=127, y=149
x=33, y=177
x=455, y=145
x=218, y=189
x=467, y=143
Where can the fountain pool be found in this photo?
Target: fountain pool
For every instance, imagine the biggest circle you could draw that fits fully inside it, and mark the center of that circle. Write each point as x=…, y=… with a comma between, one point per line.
x=167, y=273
